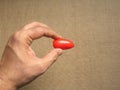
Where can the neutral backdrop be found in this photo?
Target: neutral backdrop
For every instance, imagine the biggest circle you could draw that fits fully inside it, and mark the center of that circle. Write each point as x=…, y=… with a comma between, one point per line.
x=93, y=25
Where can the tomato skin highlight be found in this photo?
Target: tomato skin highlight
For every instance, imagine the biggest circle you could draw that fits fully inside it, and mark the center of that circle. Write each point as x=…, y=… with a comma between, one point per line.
x=63, y=43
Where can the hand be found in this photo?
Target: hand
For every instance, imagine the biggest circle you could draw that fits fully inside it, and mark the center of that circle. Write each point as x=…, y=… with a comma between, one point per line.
x=19, y=64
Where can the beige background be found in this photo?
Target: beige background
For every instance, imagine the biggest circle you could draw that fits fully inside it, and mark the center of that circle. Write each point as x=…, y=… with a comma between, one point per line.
x=94, y=26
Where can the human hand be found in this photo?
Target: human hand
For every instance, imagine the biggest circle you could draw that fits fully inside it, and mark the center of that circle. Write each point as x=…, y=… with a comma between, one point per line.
x=19, y=64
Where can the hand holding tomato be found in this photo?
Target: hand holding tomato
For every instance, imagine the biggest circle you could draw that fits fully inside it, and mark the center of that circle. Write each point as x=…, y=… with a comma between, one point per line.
x=19, y=64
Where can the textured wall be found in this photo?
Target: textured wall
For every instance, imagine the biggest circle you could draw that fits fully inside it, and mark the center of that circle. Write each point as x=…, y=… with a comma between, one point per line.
x=94, y=26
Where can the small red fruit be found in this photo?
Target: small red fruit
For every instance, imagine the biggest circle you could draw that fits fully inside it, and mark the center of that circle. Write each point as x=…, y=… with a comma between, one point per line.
x=63, y=43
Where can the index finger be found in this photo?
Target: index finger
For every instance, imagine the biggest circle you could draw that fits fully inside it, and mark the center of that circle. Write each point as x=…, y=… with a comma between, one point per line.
x=30, y=32
x=36, y=30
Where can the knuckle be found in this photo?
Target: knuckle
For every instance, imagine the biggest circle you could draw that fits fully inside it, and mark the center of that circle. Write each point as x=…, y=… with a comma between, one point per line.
x=39, y=24
x=14, y=36
x=44, y=25
x=42, y=69
x=30, y=25
x=14, y=39
x=35, y=23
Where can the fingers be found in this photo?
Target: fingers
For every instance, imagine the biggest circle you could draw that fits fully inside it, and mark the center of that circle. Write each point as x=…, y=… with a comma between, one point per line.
x=50, y=58
x=32, y=31
x=33, y=25
x=37, y=30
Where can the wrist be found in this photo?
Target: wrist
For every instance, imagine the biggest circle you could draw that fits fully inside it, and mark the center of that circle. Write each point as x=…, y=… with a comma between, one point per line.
x=5, y=85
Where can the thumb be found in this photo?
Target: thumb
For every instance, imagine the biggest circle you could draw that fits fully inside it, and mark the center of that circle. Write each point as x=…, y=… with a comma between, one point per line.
x=50, y=58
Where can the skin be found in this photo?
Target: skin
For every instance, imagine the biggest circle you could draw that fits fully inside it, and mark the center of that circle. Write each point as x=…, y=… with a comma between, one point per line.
x=19, y=65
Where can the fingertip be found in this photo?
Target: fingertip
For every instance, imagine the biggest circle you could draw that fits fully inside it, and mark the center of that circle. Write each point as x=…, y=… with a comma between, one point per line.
x=59, y=51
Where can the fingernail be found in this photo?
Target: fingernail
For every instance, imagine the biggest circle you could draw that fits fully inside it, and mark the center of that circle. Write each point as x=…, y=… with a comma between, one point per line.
x=59, y=51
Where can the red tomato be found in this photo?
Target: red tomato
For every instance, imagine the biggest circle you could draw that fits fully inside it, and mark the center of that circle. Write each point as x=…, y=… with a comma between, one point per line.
x=63, y=43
